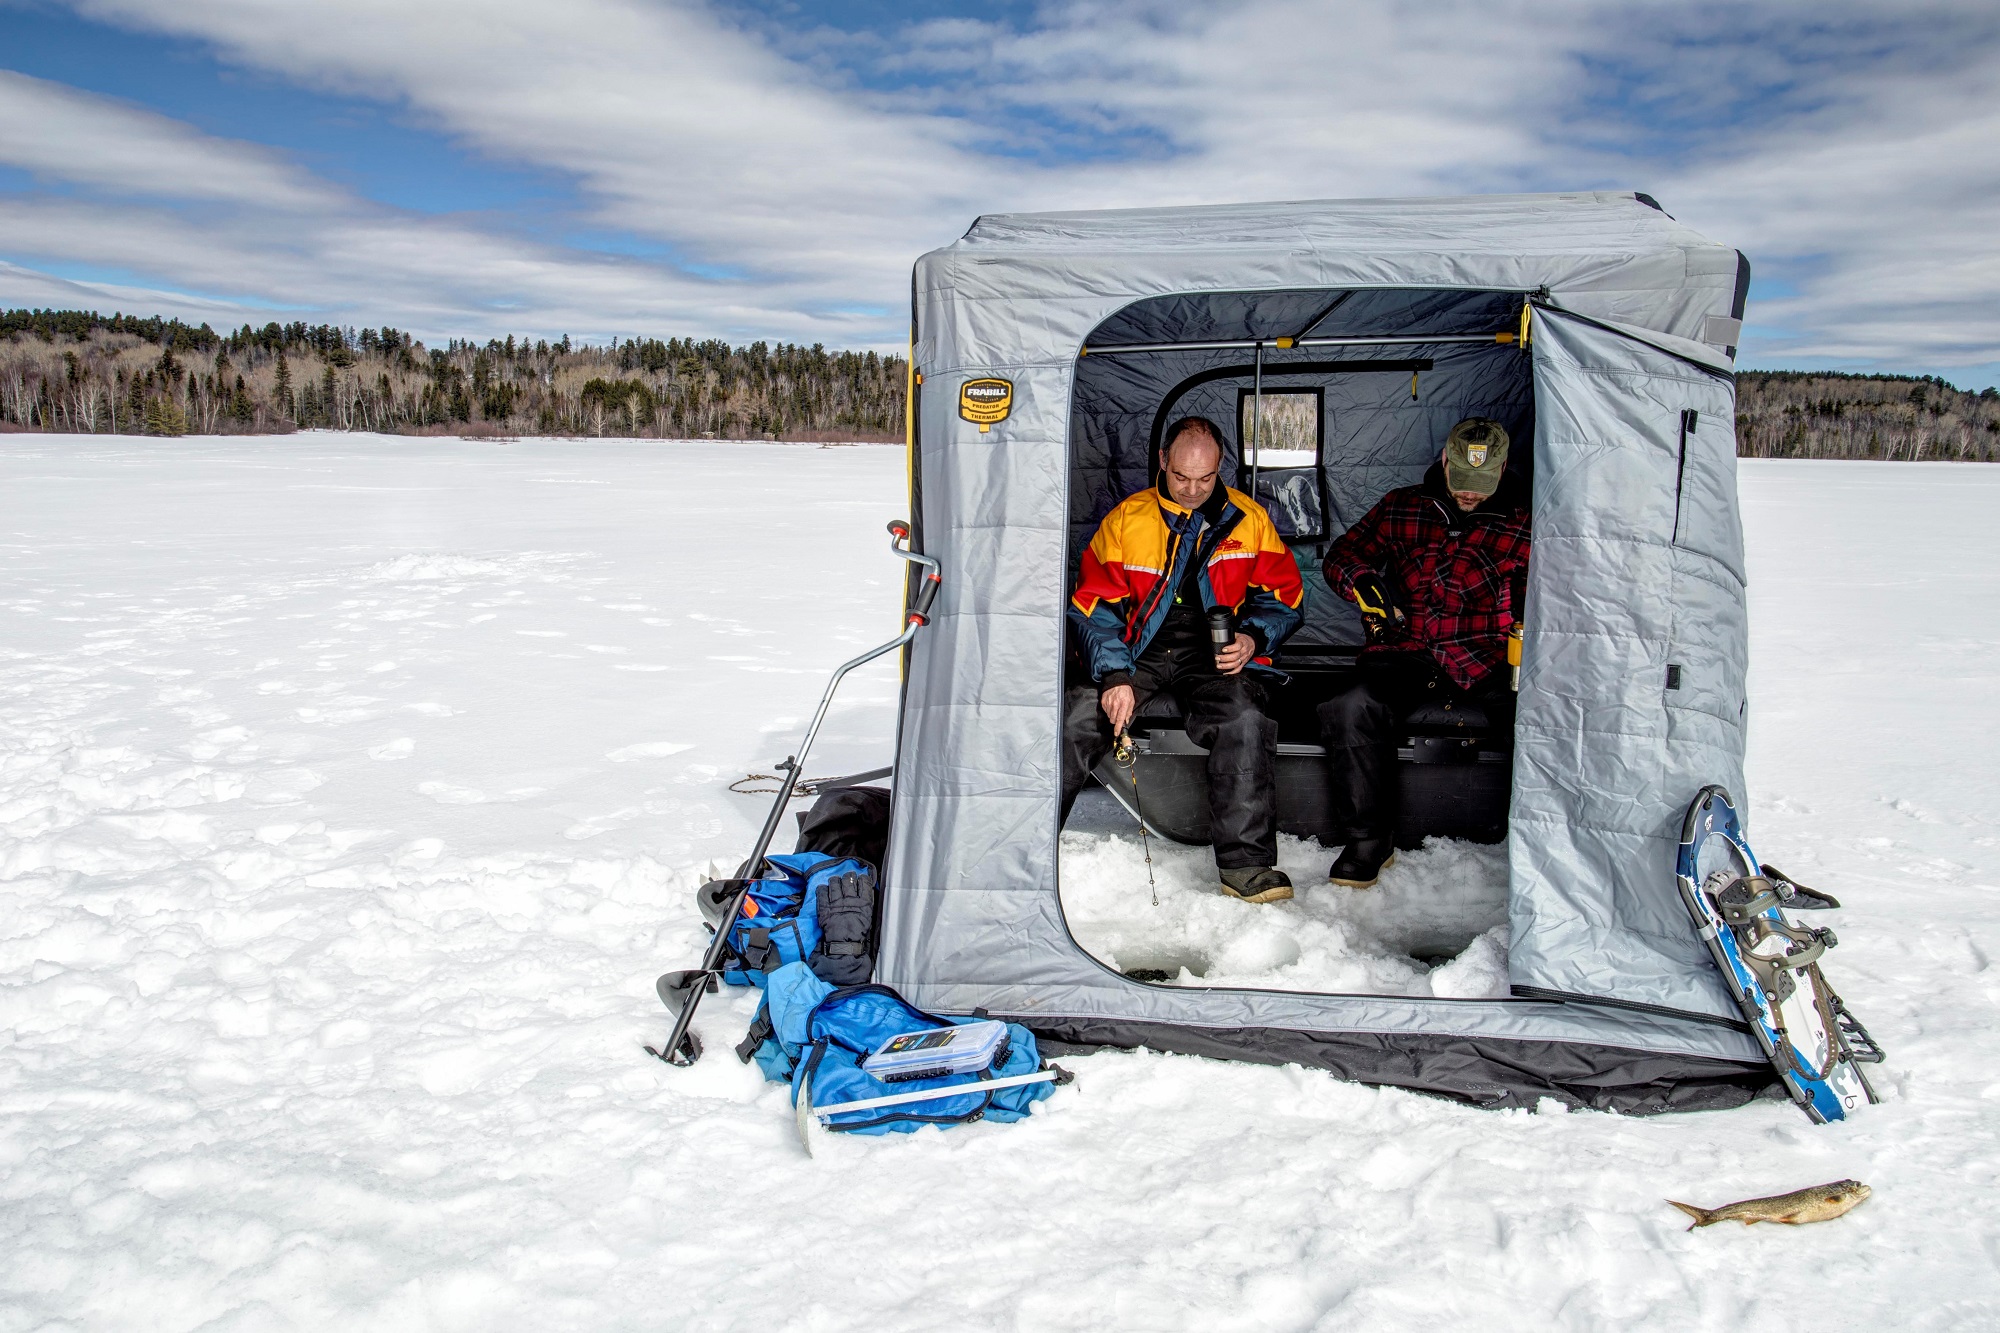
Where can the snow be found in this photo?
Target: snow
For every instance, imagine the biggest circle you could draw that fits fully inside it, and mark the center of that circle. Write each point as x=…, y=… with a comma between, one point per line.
x=352, y=793
x=1434, y=924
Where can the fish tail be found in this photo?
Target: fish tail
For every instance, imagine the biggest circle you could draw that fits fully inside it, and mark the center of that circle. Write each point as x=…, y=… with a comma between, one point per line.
x=1702, y=1216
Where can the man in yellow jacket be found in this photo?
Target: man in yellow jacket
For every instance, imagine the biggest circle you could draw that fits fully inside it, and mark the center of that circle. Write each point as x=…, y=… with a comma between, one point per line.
x=1161, y=562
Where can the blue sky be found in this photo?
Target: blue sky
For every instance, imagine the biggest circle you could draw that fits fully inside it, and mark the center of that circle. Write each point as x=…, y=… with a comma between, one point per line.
x=358, y=142
x=769, y=168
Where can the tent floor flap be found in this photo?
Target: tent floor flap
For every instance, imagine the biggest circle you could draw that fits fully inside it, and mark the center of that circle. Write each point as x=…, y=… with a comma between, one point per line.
x=1490, y=1072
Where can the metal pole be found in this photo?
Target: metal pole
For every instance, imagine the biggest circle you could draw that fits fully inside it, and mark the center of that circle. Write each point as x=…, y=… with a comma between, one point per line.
x=680, y=1047
x=1283, y=344
x=933, y=1094
x=1256, y=420
x=797, y=765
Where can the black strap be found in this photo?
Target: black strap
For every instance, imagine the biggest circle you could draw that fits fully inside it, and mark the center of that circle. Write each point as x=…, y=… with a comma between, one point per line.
x=760, y=1032
x=758, y=955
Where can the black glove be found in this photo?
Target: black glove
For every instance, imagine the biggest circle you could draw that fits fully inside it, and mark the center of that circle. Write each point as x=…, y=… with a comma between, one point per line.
x=1372, y=596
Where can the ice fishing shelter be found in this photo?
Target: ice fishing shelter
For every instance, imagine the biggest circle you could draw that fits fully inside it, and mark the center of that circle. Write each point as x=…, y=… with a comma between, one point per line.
x=1050, y=351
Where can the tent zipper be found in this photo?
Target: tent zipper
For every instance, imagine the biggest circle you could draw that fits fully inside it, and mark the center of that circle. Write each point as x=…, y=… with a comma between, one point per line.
x=1690, y=419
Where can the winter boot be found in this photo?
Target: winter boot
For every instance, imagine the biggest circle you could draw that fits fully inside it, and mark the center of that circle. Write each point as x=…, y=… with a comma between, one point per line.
x=1362, y=862
x=1257, y=884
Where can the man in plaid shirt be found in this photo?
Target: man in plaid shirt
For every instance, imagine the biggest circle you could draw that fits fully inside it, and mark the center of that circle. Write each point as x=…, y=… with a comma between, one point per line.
x=1439, y=571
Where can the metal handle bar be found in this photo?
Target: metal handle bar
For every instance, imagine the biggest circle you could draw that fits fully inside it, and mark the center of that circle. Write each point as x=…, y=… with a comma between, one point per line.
x=935, y=1094
x=919, y=616
x=681, y=1048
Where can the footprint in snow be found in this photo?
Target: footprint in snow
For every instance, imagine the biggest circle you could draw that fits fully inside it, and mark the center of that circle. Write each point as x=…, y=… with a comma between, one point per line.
x=646, y=750
x=446, y=794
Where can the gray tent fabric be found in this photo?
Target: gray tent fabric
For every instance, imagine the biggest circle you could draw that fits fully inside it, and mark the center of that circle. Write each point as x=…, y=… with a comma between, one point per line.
x=1624, y=582
x=1637, y=567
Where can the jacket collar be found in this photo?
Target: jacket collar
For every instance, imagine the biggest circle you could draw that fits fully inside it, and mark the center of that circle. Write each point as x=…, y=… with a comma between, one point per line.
x=1180, y=511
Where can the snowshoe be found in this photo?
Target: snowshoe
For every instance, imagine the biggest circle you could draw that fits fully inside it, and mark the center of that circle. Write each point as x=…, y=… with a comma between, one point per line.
x=1772, y=963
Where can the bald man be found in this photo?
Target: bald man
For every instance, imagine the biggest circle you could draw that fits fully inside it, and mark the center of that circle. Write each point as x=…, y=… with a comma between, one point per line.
x=1159, y=564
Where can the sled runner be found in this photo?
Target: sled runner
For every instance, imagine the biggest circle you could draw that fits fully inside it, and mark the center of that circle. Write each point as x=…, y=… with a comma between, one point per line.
x=1772, y=962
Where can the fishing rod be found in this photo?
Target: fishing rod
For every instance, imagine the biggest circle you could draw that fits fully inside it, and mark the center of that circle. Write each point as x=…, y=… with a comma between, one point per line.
x=1126, y=756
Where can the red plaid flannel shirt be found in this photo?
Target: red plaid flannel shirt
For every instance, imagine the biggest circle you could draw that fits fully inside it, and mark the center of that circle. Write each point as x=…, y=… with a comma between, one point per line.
x=1460, y=590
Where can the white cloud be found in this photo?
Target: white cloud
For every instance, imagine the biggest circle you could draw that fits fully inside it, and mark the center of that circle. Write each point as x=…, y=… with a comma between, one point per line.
x=434, y=276
x=1875, y=217
x=676, y=125
x=55, y=131
x=1845, y=148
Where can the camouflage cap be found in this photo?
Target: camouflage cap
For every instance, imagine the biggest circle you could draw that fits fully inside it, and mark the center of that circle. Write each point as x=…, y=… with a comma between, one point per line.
x=1475, y=454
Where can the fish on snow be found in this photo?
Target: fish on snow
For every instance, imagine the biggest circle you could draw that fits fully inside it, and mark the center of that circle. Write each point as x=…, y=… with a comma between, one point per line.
x=1820, y=1203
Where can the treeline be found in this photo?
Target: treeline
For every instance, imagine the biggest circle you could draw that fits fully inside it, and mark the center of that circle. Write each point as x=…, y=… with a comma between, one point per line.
x=1819, y=414
x=65, y=370
x=70, y=370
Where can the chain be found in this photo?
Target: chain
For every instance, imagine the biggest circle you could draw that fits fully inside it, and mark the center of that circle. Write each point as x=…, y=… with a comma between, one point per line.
x=804, y=787
x=1126, y=757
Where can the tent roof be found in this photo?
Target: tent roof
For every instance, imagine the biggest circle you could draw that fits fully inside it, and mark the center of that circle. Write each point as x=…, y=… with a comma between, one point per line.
x=1604, y=254
x=1596, y=223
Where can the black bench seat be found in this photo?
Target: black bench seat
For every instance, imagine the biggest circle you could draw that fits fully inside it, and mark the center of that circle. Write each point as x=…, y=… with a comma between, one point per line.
x=1455, y=774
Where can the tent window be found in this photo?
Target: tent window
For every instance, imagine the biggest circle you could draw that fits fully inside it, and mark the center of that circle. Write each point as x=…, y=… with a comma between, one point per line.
x=1283, y=431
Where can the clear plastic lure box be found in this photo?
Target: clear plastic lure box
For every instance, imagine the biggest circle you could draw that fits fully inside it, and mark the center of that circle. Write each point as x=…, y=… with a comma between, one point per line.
x=965, y=1049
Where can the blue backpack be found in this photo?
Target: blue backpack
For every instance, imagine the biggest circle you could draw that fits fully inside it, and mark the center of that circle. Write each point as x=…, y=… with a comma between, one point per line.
x=818, y=910
x=821, y=1034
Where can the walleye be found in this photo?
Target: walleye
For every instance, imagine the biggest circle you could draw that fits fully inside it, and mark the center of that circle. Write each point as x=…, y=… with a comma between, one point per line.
x=1820, y=1203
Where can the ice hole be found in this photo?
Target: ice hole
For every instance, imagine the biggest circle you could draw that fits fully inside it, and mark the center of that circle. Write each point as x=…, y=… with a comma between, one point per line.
x=1168, y=966
x=1435, y=924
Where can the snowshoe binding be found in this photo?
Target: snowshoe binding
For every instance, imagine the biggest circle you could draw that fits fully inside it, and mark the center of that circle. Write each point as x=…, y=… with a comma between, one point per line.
x=1772, y=963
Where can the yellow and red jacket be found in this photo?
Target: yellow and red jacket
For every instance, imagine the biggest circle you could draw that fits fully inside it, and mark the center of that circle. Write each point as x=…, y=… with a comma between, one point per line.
x=1139, y=556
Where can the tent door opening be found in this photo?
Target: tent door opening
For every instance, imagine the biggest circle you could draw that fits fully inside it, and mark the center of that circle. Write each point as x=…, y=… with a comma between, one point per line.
x=1318, y=429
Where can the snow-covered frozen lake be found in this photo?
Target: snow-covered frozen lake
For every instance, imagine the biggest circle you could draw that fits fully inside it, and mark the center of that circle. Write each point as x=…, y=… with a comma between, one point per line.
x=351, y=795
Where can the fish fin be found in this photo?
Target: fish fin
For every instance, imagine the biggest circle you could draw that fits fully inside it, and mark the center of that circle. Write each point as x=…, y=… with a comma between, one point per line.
x=1700, y=1215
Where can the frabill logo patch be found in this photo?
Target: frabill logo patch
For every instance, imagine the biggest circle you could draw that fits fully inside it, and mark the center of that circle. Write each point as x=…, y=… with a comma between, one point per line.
x=986, y=402
x=1475, y=454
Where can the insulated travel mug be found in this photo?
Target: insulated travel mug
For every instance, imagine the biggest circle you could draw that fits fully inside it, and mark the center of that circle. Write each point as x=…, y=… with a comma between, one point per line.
x=1221, y=629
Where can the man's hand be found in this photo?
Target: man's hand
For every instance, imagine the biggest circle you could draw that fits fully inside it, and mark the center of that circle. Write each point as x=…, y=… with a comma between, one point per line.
x=1118, y=703
x=1236, y=656
x=1372, y=596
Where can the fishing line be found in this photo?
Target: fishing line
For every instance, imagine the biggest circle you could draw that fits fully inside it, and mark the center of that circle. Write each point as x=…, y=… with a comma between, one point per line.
x=1127, y=758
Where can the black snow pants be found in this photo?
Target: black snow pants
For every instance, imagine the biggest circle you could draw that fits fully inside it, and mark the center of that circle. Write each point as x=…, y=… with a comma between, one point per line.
x=1361, y=726
x=1225, y=716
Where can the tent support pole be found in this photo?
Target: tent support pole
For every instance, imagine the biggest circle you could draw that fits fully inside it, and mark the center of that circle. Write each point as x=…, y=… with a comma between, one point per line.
x=1256, y=418
x=1409, y=340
